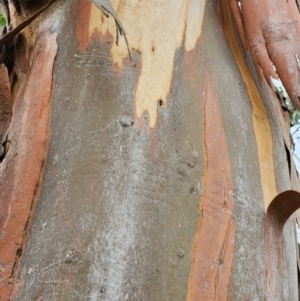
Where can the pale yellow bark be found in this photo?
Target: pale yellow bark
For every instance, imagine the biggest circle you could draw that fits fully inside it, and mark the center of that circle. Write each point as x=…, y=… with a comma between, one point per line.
x=156, y=29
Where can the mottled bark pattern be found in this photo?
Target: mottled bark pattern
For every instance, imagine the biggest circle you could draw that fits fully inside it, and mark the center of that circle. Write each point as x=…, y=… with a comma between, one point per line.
x=160, y=170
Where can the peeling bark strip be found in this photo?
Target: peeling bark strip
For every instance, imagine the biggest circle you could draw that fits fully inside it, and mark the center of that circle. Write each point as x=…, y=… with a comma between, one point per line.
x=156, y=41
x=260, y=117
x=280, y=209
x=214, y=242
x=21, y=171
x=5, y=103
x=269, y=29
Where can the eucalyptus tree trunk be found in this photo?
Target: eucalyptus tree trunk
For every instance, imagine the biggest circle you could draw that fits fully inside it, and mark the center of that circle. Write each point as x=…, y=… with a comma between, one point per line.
x=162, y=172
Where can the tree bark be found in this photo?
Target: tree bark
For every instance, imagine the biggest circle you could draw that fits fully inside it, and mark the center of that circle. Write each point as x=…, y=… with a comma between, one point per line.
x=151, y=178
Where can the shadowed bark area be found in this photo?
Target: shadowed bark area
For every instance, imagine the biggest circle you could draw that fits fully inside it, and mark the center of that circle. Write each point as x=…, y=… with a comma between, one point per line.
x=5, y=106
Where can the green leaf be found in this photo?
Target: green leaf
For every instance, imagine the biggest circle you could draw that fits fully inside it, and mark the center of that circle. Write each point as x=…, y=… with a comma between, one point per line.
x=3, y=21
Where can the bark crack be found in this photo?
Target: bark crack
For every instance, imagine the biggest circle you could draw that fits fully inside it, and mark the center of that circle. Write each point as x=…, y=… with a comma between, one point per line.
x=222, y=255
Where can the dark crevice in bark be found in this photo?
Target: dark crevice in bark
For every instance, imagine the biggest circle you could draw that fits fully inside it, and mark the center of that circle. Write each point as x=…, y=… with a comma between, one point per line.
x=297, y=3
x=5, y=149
x=288, y=157
x=17, y=5
x=31, y=4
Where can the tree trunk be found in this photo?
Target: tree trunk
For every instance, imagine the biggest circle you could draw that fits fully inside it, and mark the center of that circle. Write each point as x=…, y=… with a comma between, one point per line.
x=164, y=177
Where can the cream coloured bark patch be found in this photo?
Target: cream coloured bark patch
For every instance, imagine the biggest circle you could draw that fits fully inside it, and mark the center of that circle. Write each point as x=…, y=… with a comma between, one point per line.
x=156, y=29
x=194, y=21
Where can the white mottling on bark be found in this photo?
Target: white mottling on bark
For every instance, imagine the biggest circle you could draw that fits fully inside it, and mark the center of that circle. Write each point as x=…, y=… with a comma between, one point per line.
x=113, y=247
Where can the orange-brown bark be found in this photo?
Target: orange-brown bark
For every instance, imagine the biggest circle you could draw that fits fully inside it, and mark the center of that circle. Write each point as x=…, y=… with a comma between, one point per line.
x=22, y=169
x=214, y=242
x=82, y=28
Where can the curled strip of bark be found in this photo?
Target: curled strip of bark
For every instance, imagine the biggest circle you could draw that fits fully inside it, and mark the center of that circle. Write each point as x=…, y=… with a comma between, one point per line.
x=237, y=16
x=278, y=212
x=271, y=29
x=29, y=131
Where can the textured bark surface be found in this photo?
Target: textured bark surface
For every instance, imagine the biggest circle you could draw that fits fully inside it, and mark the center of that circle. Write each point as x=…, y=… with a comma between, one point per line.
x=160, y=170
x=119, y=198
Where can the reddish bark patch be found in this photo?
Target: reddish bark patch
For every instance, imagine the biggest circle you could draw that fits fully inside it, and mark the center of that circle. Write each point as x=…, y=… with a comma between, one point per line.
x=84, y=37
x=82, y=28
x=214, y=242
x=22, y=169
x=220, y=23
x=279, y=210
x=269, y=29
x=237, y=16
x=192, y=68
x=5, y=102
